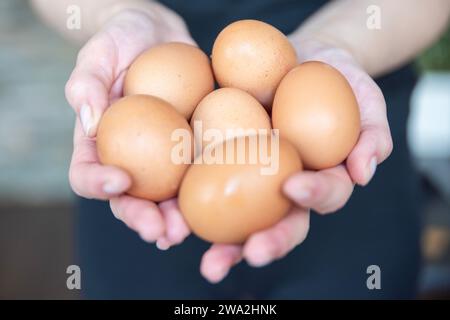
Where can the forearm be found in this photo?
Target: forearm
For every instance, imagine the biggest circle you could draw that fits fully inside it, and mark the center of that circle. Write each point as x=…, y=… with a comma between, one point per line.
x=406, y=28
x=94, y=14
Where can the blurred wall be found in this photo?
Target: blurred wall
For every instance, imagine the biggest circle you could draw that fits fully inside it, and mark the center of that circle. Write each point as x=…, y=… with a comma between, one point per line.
x=36, y=217
x=35, y=120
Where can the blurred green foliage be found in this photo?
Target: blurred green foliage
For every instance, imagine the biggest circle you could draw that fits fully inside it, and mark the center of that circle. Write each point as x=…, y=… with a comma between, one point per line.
x=437, y=57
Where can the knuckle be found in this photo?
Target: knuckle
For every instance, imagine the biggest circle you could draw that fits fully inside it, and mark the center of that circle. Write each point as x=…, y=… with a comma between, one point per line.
x=389, y=145
x=335, y=206
x=279, y=239
x=75, y=184
x=325, y=210
x=340, y=205
x=301, y=236
x=321, y=211
x=74, y=88
x=69, y=89
x=385, y=144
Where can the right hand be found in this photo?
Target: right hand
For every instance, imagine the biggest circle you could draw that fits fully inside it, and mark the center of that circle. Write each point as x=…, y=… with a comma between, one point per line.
x=95, y=83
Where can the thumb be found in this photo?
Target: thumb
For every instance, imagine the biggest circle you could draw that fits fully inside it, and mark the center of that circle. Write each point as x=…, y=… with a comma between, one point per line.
x=87, y=90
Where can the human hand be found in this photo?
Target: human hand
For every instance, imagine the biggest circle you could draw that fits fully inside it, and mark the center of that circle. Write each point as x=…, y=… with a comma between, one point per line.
x=324, y=191
x=95, y=83
x=328, y=190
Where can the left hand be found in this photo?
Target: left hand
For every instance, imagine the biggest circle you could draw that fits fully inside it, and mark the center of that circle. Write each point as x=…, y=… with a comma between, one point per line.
x=324, y=191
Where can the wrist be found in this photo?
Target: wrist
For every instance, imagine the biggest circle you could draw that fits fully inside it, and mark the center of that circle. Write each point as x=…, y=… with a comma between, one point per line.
x=314, y=47
x=325, y=49
x=157, y=21
x=339, y=57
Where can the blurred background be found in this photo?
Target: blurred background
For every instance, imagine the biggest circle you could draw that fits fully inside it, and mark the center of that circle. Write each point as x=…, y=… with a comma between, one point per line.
x=36, y=204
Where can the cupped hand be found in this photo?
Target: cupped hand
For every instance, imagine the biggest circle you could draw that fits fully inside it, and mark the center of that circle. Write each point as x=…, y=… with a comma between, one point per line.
x=323, y=191
x=328, y=190
x=97, y=81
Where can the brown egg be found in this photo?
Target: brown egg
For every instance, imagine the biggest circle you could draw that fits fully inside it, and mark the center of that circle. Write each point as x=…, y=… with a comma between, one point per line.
x=225, y=203
x=230, y=112
x=135, y=134
x=253, y=56
x=179, y=73
x=315, y=109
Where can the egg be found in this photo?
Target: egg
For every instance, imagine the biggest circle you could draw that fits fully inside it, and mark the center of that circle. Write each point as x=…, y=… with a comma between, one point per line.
x=253, y=56
x=226, y=113
x=226, y=201
x=316, y=109
x=135, y=134
x=179, y=73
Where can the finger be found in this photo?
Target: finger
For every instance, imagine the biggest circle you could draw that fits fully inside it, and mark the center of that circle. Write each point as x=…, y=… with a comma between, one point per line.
x=268, y=245
x=374, y=146
x=218, y=260
x=141, y=215
x=324, y=191
x=176, y=228
x=375, y=142
x=116, y=91
x=88, y=88
x=89, y=96
x=87, y=177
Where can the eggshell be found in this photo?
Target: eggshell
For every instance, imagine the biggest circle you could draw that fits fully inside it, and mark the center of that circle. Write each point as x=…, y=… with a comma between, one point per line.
x=179, y=73
x=253, y=56
x=230, y=111
x=225, y=203
x=135, y=134
x=316, y=109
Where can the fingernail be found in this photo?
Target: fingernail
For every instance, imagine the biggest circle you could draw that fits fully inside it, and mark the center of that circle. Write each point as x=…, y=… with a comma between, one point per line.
x=87, y=119
x=297, y=190
x=371, y=168
x=162, y=244
x=112, y=187
x=116, y=214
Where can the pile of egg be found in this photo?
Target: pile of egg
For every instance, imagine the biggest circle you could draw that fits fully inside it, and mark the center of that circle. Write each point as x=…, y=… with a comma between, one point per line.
x=171, y=88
